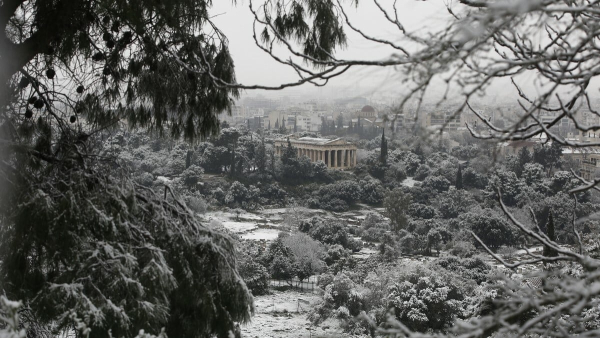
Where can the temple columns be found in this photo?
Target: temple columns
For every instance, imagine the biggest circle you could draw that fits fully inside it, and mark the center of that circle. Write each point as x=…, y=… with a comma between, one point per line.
x=335, y=158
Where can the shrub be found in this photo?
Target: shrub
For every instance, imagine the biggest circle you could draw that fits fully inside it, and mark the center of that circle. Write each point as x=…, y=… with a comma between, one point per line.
x=438, y=183
x=255, y=276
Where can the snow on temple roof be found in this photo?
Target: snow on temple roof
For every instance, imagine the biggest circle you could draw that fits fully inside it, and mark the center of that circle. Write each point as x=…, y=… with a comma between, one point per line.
x=313, y=140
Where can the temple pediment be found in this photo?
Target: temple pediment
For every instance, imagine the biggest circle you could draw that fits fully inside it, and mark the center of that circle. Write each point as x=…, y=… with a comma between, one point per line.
x=336, y=153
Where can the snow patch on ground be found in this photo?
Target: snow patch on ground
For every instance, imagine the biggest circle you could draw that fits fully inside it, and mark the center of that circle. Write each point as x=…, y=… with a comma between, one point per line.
x=364, y=253
x=163, y=179
x=283, y=314
x=239, y=227
x=266, y=234
x=409, y=182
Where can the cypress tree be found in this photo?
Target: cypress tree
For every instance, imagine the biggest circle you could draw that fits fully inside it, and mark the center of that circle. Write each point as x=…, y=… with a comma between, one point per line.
x=269, y=127
x=277, y=123
x=296, y=124
x=384, y=150
x=261, y=156
x=459, y=181
x=188, y=159
x=549, y=252
x=272, y=162
x=283, y=129
x=289, y=154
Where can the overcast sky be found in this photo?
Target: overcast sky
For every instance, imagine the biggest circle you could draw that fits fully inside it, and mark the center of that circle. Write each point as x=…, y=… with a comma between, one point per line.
x=253, y=66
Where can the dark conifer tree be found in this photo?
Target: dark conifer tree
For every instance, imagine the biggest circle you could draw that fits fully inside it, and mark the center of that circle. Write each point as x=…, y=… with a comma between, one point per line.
x=549, y=252
x=261, y=156
x=459, y=180
x=272, y=162
x=383, y=149
x=289, y=154
x=188, y=159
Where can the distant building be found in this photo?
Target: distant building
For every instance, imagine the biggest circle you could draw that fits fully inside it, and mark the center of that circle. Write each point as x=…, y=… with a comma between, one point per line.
x=587, y=159
x=368, y=112
x=336, y=154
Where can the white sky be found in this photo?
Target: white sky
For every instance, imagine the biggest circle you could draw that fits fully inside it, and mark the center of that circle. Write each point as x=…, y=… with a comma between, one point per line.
x=253, y=66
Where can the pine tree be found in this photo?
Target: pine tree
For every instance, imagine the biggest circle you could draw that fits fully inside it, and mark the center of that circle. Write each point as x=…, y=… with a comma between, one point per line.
x=277, y=124
x=296, y=124
x=269, y=127
x=383, y=149
x=91, y=241
x=549, y=252
x=459, y=180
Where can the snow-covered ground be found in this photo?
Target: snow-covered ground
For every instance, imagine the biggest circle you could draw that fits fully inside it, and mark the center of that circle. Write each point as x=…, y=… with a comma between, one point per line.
x=266, y=224
x=266, y=234
x=409, y=182
x=239, y=227
x=365, y=253
x=283, y=314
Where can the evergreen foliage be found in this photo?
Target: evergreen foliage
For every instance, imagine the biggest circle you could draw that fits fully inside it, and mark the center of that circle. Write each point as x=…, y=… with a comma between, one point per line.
x=117, y=255
x=396, y=205
x=289, y=153
x=459, y=179
x=523, y=157
x=261, y=156
x=548, y=251
x=81, y=241
x=383, y=155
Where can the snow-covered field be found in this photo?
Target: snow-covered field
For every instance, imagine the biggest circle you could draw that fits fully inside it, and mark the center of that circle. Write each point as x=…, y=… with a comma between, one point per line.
x=283, y=314
x=239, y=227
x=266, y=224
x=266, y=234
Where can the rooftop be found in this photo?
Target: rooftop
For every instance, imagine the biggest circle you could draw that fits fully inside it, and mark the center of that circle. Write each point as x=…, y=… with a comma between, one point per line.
x=313, y=140
x=368, y=109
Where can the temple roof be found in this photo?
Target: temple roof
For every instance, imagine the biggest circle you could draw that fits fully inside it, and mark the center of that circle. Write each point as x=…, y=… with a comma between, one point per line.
x=315, y=141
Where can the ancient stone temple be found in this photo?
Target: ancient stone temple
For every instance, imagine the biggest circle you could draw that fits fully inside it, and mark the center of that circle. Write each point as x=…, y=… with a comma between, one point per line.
x=336, y=154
